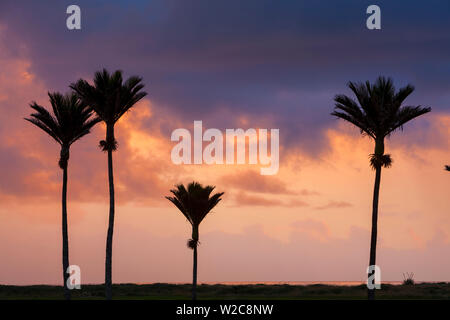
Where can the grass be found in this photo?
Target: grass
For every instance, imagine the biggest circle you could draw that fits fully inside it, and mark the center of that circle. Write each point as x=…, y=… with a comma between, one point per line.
x=408, y=279
x=162, y=291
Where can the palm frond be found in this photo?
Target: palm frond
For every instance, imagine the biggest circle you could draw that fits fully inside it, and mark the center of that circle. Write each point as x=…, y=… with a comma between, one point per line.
x=402, y=94
x=110, y=98
x=377, y=111
x=406, y=114
x=44, y=127
x=71, y=120
x=194, y=202
x=355, y=121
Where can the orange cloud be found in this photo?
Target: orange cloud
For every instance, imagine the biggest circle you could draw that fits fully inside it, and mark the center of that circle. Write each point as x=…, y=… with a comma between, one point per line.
x=254, y=181
x=334, y=205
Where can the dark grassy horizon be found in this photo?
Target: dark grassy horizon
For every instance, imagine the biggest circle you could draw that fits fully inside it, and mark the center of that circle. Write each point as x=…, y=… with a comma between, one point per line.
x=165, y=291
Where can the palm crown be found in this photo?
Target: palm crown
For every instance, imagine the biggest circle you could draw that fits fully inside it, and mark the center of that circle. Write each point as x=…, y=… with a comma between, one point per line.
x=110, y=98
x=378, y=112
x=195, y=203
x=70, y=121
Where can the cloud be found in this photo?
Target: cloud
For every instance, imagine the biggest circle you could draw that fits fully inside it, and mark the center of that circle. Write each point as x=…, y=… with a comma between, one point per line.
x=255, y=182
x=306, y=192
x=334, y=205
x=245, y=199
x=284, y=67
x=315, y=229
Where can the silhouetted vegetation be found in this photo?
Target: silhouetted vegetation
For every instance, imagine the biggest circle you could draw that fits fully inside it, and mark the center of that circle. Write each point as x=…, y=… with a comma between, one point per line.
x=70, y=121
x=408, y=278
x=378, y=112
x=110, y=98
x=162, y=291
x=194, y=202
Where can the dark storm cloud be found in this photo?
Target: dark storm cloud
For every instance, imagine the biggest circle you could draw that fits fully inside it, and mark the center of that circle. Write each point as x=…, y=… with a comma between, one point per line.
x=282, y=61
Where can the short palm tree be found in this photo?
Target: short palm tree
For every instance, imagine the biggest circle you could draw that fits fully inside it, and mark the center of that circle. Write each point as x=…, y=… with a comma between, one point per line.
x=110, y=98
x=70, y=121
x=194, y=202
x=377, y=112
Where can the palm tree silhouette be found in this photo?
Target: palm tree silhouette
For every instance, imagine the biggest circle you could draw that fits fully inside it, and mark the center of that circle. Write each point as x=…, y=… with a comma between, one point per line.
x=110, y=98
x=378, y=112
x=195, y=203
x=70, y=121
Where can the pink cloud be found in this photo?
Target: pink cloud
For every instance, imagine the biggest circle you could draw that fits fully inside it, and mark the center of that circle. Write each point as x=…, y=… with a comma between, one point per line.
x=334, y=205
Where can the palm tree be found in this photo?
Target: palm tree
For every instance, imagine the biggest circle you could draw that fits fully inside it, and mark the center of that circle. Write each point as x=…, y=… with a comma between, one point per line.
x=195, y=203
x=378, y=112
x=70, y=121
x=110, y=98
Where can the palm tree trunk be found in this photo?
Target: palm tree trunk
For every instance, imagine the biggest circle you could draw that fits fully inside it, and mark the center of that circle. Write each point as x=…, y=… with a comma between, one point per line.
x=194, y=275
x=109, y=239
x=373, y=238
x=65, y=236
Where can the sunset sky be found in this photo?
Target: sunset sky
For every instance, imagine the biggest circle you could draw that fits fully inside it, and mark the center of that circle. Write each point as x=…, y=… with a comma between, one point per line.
x=230, y=64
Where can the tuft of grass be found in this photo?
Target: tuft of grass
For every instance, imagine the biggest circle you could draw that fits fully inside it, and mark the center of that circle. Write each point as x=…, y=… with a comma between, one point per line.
x=408, y=279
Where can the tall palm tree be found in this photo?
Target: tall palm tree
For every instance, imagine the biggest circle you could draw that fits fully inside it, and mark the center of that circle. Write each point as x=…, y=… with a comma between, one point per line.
x=70, y=121
x=378, y=112
x=110, y=98
x=195, y=203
